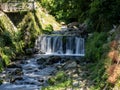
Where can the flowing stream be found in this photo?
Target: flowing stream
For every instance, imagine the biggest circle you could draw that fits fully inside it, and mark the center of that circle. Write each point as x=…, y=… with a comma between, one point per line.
x=27, y=75
x=33, y=73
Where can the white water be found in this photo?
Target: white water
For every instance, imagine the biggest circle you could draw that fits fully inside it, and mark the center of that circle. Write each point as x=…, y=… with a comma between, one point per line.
x=60, y=45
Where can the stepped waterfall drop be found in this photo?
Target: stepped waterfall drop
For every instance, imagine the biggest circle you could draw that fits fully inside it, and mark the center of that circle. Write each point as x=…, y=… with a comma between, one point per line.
x=60, y=45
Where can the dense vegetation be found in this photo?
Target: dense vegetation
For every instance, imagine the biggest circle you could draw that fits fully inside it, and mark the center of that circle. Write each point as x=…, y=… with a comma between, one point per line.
x=16, y=39
x=99, y=15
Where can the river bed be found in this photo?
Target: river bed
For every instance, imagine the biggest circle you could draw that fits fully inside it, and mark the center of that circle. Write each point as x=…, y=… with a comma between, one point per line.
x=27, y=75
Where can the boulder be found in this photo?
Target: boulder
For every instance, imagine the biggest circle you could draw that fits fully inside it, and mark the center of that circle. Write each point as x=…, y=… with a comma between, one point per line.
x=70, y=64
x=41, y=60
x=53, y=59
x=16, y=72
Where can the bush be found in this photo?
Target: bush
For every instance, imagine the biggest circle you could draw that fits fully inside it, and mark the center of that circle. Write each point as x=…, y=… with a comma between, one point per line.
x=58, y=82
x=94, y=46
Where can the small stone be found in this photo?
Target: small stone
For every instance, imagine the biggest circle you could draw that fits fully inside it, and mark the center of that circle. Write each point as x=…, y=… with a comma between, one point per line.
x=75, y=76
x=41, y=80
x=17, y=71
x=16, y=78
x=75, y=83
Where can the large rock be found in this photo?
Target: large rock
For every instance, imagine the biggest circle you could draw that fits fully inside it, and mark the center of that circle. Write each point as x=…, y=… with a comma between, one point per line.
x=16, y=72
x=53, y=59
x=41, y=60
x=70, y=64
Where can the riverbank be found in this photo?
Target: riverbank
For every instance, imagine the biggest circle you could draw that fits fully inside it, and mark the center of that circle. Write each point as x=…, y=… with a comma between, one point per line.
x=39, y=73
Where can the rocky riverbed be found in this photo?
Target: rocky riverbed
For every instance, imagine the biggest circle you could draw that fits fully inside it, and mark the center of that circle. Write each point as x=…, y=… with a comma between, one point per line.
x=34, y=73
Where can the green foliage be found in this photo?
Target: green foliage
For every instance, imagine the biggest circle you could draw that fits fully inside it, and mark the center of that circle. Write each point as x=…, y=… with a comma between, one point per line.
x=6, y=38
x=28, y=31
x=1, y=65
x=59, y=77
x=57, y=82
x=65, y=9
x=98, y=75
x=94, y=46
x=49, y=28
x=100, y=15
x=7, y=47
x=59, y=86
x=13, y=0
x=103, y=14
x=96, y=52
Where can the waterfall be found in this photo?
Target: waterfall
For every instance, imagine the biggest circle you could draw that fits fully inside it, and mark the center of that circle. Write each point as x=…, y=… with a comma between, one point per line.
x=60, y=45
x=69, y=45
x=48, y=49
x=79, y=45
x=57, y=45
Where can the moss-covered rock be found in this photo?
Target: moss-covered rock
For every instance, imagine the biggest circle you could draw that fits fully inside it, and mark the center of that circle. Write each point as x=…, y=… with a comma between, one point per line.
x=7, y=35
x=29, y=30
x=35, y=23
x=46, y=19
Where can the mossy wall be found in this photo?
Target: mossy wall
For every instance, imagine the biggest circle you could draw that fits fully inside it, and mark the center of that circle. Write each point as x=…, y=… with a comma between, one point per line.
x=46, y=19
x=15, y=38
x=7, y=35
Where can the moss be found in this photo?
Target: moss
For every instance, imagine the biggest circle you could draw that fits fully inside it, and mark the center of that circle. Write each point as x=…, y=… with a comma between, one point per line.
x=59, y=86
x=1, y=65
x=46, y=19
x=28, y=31
x=58, y=82
x=6, y=24
x=7, y=35
x=59, y=77
x=35, y=23
x=14, y=40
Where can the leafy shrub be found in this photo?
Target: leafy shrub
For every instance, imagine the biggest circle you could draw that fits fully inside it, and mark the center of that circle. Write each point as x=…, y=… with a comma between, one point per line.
x=58, y=82
x=94, y=46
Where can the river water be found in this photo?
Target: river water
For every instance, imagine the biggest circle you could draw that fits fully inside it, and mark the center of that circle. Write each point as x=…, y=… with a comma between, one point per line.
x=27, y=75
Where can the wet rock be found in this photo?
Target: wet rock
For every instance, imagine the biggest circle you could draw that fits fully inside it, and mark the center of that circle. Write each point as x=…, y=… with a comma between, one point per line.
x=42, y=67
x=41, y=80
x=14, y=66
x=17, y=71
x=16, y=78
x=70, y=64
x=23, y=62
x=53, y=59
x=41, y=60
x=62, y=60
x=75, y=83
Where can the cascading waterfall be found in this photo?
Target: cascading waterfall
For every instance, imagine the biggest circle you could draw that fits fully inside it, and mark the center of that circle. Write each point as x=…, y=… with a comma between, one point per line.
x=49, y=49
x=69, y=45
x=60, y=45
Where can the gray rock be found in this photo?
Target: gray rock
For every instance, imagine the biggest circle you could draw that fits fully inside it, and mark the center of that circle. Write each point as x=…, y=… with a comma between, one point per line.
x=53, y=59
x=41, y=60
x=70, y=64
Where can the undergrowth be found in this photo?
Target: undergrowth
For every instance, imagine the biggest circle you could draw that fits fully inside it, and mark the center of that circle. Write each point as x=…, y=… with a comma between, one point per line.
x=97, y=48
x=58, y=82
